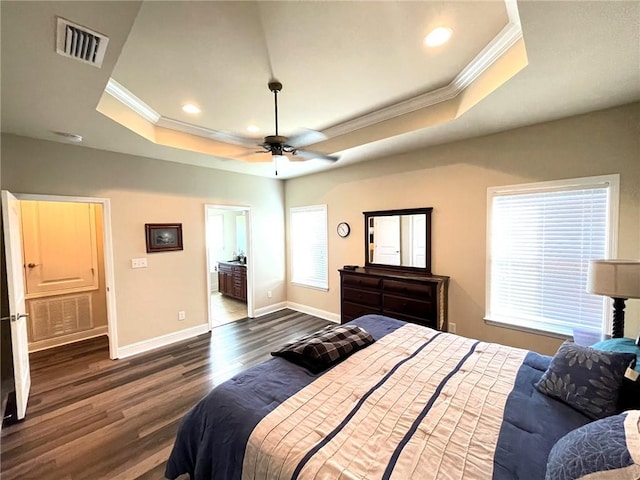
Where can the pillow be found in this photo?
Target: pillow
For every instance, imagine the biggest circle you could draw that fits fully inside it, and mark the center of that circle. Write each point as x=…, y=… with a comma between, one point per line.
x=326, y=347
x=625, y=345
x=630, y=391
x=586, y=379
x=608, y=448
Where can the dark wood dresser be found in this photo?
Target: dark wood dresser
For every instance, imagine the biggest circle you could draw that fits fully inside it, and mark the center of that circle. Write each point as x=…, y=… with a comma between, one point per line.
x=412, y=297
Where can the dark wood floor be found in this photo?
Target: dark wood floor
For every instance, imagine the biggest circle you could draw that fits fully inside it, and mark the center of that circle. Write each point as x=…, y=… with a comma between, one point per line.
x=93, y=418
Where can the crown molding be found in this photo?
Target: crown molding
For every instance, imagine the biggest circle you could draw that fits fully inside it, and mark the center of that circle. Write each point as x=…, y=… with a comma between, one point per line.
x=185, y=127
x=498, y=46
x=120, y=93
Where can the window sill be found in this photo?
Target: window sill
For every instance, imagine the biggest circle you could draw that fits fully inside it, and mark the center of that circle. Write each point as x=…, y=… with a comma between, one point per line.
x=528, y=328
x=313, y=287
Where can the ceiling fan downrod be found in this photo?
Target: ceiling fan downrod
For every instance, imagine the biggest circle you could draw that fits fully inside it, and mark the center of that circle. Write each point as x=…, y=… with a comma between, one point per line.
x=275, y=87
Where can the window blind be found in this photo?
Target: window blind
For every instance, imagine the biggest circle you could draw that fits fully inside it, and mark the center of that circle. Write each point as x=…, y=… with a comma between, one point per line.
x=540, y=246
x=309, y=246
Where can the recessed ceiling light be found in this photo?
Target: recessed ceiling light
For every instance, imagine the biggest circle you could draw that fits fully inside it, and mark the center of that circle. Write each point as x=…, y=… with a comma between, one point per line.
x=72, y=137
x=190, y=108
x=253, y=128
x=438, y=37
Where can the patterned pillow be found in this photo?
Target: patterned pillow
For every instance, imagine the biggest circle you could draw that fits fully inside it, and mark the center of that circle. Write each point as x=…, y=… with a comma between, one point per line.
x=626, y=345
x=326, y=347
x=586, y=379
x=605, y=449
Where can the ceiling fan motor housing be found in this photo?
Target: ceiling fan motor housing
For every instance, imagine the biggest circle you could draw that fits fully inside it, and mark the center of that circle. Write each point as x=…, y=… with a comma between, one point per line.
x=276, y=144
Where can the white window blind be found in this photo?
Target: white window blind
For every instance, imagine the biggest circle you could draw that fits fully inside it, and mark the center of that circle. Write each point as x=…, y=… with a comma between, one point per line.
x=540, y=243
x=309, y=246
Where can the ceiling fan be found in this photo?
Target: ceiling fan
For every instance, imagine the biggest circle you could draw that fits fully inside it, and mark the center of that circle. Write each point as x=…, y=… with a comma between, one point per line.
x=279, y=145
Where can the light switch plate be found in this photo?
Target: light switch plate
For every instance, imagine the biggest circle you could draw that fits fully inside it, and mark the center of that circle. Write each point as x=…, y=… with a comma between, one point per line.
x=138, y=263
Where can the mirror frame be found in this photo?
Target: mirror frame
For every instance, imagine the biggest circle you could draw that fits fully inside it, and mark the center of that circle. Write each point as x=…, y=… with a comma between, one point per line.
x=406, y=211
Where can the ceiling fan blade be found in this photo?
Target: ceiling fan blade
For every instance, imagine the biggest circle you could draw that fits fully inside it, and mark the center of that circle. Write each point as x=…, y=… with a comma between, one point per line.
x=307, y=155
x=234, y=139
x=306, y=137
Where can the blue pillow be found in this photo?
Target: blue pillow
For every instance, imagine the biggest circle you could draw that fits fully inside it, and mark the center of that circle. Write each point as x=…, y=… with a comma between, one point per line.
x=609, y=445
x=586, y=379
x=623, y=345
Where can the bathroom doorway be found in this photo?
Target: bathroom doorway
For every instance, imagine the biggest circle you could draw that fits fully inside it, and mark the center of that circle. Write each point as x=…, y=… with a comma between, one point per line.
x=228, y=263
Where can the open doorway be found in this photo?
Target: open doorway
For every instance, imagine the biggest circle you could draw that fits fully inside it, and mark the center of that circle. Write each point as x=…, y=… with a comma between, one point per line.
x=69, y=284
x=229, y=262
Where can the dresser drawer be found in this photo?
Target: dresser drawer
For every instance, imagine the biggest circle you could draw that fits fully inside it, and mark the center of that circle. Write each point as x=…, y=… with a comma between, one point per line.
x=350, y=311
x=410, y=297
x=425, y=322
x=422, y=291
x=362, y=297
x=361, y=281
x=408, y=306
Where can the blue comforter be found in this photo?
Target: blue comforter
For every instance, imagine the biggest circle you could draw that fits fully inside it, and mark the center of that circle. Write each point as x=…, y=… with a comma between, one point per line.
x=213, y=436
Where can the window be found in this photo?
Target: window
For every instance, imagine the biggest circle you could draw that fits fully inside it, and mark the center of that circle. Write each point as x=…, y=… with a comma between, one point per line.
x=309, y=246
x=541, y=237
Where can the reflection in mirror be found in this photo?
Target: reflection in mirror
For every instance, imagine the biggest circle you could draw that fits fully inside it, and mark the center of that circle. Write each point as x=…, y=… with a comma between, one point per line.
x=399, y=239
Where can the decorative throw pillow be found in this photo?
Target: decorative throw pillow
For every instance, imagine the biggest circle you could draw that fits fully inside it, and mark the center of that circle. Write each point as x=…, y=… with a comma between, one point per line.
x=326, y=347
x=608, y=448
x=586, y=379
x=630, y=391
x=625, y=345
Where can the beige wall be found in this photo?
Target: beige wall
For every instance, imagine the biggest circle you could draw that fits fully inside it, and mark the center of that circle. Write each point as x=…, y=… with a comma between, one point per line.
x=142, y=191
x=453, y=179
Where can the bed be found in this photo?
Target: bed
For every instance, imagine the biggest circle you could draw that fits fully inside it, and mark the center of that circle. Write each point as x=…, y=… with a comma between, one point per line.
x=416, y=403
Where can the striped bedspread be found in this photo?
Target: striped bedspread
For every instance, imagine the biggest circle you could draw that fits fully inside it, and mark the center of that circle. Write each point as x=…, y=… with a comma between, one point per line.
x=416, y=404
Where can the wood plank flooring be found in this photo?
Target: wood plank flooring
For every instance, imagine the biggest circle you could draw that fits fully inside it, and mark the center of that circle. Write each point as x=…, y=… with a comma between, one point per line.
x=93, y=418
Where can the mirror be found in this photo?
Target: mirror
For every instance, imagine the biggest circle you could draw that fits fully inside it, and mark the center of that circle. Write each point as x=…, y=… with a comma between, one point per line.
x=399, y=239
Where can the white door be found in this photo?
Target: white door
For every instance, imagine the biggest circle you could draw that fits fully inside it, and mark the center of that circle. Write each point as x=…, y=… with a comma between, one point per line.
x=386, y=232
x=418, y=240
x=15, y=288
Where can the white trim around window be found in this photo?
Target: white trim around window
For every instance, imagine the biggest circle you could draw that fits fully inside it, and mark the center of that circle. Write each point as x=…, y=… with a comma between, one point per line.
x=309, y=251
x=540, y=238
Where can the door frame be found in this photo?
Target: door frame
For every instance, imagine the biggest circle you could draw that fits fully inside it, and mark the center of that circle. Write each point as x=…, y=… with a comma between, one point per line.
x=109, y=275
x=249, y=255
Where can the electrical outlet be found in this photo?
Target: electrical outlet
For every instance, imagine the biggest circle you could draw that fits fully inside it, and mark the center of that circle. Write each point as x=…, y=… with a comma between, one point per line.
x=181, y=315
x=452, y=328
x=269, y=294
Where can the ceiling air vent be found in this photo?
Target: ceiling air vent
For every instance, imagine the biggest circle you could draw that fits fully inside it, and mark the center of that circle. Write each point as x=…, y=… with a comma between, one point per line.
x=79, y=42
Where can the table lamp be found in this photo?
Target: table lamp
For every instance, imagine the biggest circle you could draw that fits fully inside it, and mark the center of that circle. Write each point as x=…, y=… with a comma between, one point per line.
x=618, y=279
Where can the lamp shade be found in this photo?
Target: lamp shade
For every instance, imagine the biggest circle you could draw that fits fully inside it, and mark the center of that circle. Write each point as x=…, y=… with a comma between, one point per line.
x=614, y=278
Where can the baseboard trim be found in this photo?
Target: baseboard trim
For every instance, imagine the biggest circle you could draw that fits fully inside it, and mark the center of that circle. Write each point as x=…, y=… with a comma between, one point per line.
x=161, y=341
x=164, y=340
x=259, y=312
x=332, y=317
x=67, y=339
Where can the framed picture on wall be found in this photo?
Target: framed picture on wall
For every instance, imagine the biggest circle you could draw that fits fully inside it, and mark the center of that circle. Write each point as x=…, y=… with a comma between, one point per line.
x=163, y=237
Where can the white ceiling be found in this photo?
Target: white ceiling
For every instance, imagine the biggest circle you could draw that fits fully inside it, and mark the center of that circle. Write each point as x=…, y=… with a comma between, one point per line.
x=337, y=61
